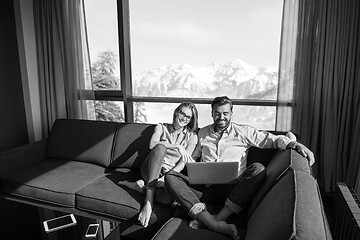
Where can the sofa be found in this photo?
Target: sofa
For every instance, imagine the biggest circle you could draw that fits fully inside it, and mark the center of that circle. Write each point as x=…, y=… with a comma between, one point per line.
x=78, y=167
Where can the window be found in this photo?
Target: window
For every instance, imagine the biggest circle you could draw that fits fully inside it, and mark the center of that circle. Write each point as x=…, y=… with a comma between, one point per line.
x=185, y=50
x=102, y=31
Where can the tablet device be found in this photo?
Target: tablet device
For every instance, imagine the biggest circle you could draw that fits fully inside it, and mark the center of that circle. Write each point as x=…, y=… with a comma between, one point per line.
x=212, y=172
x=59, y=223
x=92, y=230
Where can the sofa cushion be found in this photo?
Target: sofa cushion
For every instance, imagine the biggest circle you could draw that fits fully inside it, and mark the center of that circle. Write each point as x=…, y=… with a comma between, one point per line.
x=53, y=181
x=290, y=210
x=21, y=157
x=82, y=140
x=132, y=144
x=105, y=196
x=279, y=164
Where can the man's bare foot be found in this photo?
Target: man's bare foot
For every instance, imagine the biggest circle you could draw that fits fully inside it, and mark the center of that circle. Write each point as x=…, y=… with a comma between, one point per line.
x=225, y=228
x=139, y=185
x=145, y=214
x=195, y=224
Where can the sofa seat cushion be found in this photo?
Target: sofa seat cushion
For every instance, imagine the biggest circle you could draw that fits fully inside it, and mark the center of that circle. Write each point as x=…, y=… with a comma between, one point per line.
x=105, y=196
x=53, y=181
x=291, y=210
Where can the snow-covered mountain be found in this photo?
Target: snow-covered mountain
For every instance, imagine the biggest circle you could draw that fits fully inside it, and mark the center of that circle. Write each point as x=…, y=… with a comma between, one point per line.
x=236, y=79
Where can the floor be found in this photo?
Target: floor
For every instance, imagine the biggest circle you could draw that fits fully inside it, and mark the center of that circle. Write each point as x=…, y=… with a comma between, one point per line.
x=15, y=216
x=19, y=221
x=328, y=201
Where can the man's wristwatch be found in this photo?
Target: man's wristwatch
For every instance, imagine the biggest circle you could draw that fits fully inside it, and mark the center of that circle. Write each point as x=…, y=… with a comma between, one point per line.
x=293, y=145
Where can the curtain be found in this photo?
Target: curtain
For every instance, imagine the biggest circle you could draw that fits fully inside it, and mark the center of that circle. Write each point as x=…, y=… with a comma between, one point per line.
x=287, y=64
x=327, y=88
x=63, y=60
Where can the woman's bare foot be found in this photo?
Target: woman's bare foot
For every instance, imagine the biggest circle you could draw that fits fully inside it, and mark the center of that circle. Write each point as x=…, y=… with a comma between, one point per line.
x=145, y=214
x=139, y=185
x=195, y=224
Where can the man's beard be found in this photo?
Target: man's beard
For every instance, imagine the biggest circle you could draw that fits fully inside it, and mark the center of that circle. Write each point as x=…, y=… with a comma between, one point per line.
x=222, y=123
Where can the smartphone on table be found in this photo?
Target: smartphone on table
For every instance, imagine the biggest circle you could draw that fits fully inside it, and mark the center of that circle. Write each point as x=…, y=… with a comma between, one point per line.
x=57, y=223
x=92, y=230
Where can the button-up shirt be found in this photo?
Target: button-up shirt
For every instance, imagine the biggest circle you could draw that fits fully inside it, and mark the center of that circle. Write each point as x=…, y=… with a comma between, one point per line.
x=232, y=145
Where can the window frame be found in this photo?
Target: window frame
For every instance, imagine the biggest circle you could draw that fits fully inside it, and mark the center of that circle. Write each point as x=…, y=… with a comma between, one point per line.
x=125, y=94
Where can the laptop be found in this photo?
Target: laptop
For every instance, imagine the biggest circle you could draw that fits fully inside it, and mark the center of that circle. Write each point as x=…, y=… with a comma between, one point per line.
x=212, y=172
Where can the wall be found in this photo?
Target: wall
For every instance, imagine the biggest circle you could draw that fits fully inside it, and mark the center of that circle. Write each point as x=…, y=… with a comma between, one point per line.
x=13, y=125
x=24, y=18
x=17, y=221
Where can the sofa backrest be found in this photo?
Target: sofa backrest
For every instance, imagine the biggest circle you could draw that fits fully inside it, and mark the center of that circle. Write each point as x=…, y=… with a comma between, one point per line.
x=82, y=140
x=131, y=145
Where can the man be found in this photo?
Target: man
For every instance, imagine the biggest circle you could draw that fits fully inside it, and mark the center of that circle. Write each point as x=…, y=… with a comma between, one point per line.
x=227, y=141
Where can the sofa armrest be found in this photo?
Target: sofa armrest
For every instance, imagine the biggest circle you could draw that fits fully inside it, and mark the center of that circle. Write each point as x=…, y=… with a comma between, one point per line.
x=21, y=157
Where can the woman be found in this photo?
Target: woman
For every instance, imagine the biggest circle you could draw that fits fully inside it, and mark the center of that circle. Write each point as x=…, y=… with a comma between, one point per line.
x=171, y=148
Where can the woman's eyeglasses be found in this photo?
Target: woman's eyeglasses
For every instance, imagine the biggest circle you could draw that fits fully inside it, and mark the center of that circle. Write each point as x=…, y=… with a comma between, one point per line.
x=183, y=115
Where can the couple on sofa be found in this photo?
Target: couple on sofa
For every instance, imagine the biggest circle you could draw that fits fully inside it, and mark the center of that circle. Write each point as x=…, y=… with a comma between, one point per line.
x=175, y=144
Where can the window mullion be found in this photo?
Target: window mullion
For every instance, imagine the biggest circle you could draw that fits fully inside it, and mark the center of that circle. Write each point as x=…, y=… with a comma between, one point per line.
x=125, y=60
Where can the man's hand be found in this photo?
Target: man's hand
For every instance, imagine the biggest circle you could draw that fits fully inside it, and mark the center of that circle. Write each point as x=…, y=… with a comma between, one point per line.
x=303, y=150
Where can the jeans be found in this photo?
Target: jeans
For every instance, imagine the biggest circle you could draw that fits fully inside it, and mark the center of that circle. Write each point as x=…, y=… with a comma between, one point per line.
x=151, y=170
x=235, y=195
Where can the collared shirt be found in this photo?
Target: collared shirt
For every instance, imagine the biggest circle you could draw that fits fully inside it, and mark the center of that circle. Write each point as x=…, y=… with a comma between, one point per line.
x=232, y=145
x=164, y=132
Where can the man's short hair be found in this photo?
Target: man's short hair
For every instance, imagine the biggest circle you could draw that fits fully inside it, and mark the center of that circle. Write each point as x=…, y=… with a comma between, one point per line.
x=221, y=101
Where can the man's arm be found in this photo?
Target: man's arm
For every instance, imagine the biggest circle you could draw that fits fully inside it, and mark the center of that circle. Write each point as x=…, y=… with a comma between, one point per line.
x=291, y=143
x=265, y=139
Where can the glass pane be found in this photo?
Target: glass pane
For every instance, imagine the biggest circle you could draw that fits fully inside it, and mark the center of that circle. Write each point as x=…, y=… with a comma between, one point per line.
x=102, y=31
x=284, y=114
x=145, y=112
x=90, y=108
x=109, y=111
x=261, y=117
x=204, y=48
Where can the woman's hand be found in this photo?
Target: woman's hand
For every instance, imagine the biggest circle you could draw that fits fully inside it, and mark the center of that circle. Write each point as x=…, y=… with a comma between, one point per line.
x=181, y=150
x=185, y=155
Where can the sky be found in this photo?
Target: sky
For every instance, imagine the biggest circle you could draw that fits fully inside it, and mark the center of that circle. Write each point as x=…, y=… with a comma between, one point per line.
x=195, y=32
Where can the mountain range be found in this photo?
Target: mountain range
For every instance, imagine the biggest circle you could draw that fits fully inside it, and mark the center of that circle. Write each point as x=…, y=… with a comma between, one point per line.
x=236, y=79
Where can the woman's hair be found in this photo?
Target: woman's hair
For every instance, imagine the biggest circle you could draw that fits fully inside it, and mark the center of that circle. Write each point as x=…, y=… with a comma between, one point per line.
x=193, y=124
x=219, y=101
